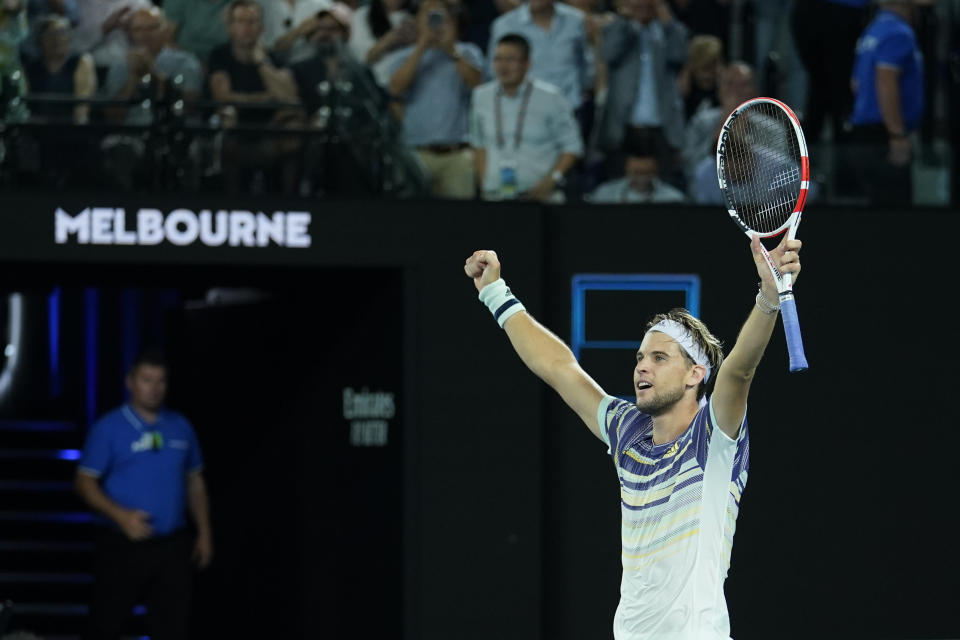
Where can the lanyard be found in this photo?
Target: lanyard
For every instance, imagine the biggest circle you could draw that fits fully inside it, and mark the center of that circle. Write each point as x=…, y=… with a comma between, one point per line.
x=521, y=116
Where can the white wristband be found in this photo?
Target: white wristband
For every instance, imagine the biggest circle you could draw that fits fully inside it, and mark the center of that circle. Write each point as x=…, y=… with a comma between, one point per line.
x=500, y=300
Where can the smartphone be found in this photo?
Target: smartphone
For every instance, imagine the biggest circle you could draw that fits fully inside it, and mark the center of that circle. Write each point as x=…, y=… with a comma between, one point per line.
x=436, y=19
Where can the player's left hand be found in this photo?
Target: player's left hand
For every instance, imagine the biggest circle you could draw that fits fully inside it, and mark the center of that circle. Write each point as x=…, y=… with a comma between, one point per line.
x=786, y=257
x=203, y=550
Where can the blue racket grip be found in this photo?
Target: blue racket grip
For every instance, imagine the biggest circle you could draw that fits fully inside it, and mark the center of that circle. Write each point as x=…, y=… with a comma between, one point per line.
x=791, y=327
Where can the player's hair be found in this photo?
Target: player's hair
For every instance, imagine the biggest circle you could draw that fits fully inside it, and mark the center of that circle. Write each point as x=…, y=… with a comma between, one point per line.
x=516, y=40
x=710, y=344
x=149, y=356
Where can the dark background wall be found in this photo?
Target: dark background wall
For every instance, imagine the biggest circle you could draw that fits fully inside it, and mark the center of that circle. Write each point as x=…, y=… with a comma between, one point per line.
x=510, y=508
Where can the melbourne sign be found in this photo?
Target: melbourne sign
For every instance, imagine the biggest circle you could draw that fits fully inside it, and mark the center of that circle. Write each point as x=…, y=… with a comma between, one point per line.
x=182, y=227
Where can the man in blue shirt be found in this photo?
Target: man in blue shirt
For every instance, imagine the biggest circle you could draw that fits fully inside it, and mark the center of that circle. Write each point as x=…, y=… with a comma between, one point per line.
x=142, y=471
x=559, y=51
x=433, y=80
x=888, y=89
x=644, y=47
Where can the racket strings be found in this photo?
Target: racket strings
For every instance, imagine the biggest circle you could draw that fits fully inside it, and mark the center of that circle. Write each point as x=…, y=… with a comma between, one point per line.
x=762, y=166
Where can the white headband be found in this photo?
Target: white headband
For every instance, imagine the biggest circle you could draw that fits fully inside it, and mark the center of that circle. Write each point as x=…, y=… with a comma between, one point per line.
x=685, y=339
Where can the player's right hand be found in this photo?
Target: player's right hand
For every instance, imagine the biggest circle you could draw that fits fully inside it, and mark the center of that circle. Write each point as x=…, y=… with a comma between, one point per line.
x=484, y=267
x=135, y=524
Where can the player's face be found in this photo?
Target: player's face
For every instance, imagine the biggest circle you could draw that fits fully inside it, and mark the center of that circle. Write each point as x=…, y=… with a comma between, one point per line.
x=660, y=377
x=148, y=386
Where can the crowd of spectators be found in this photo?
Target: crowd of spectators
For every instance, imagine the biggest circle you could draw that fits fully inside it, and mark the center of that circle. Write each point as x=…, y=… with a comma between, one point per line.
x=491, y=99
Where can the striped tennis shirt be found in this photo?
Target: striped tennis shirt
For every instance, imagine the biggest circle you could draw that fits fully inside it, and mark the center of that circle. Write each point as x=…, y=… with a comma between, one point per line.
x=679, y=502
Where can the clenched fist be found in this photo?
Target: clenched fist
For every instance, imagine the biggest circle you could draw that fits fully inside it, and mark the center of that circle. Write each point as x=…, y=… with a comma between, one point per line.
x=484, y=267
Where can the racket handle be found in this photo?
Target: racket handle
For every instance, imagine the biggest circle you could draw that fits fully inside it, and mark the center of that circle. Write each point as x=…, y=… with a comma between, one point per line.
x=791, y=327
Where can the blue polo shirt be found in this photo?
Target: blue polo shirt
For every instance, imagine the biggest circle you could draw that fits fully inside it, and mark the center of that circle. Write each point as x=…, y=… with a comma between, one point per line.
x=888, y=42
x=436, y=104
x=144, y=466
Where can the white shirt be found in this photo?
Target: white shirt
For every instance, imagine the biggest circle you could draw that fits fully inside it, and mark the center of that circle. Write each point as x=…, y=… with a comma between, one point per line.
x=679, y=506
x=548, y=130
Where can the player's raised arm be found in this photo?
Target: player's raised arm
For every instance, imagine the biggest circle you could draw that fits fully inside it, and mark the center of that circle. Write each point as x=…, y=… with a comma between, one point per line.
x=542, y=351
x=737, y=371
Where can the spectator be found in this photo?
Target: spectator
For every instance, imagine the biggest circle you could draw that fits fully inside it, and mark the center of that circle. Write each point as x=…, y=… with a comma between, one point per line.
x=433, y=80
x=13, y=30
x=37, y=9
x=62, y=153
x=737, y=85
x=888, y=102
x=331, y=60
x=329, y=81
x=150, y=54
x=57, y=71
x=287, y=25
x=825, y=34
x=100, y=29
x=522, y=129
x=596, y=19
x=172, y=74
x=381, y=27
x=640, y=184
x=644, y=48
x=560, y=53
x=780, y=72
x=699, y=77
x=242, y=72
x=703, y=187
x=198, y=26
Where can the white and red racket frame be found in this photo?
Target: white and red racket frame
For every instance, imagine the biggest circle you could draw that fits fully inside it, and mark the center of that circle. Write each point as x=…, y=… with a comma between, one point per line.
x=791, y=325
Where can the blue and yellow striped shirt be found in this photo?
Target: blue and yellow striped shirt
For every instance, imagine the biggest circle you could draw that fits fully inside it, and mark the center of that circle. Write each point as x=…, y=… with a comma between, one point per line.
x=679, y=502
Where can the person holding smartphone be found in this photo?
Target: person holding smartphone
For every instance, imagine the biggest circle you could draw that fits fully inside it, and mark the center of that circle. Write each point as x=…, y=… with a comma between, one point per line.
x=430, y=83
x=287, y=25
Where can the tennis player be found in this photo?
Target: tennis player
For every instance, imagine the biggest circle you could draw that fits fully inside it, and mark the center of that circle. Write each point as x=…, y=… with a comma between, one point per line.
x=681, y=452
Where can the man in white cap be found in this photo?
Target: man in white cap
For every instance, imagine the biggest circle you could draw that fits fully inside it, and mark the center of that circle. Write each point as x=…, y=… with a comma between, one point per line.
x=681, y=453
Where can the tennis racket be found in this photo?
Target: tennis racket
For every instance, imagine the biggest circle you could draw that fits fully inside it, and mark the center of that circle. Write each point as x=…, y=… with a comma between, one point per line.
x=764, y=174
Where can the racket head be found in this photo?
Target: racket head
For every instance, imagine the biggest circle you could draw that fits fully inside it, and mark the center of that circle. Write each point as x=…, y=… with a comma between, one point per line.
x=763, y=167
